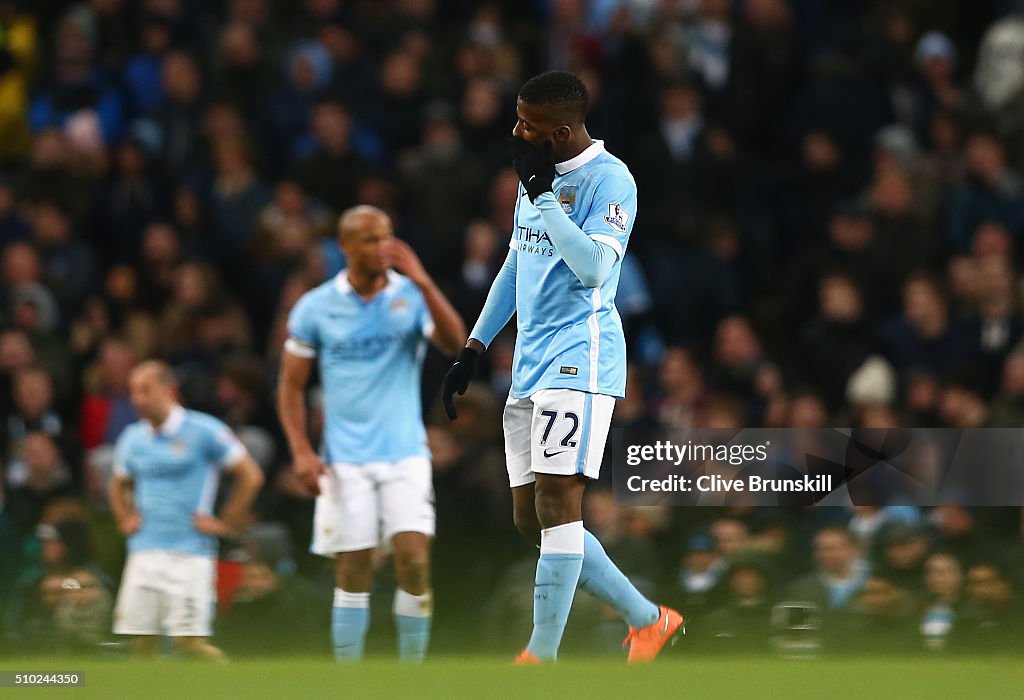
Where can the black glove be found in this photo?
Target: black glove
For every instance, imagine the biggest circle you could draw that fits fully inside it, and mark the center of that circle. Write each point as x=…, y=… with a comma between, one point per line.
x=534, y=166
x=458, y=378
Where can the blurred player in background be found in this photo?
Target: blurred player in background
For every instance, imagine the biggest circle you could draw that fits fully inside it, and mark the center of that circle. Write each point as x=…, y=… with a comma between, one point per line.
x=166, y=472
x=368, y=328
x=560, y=278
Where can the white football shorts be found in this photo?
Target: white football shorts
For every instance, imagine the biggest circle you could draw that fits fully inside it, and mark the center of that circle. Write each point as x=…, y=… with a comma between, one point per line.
x=361, y=506
x=556, y=431
x=166, y=593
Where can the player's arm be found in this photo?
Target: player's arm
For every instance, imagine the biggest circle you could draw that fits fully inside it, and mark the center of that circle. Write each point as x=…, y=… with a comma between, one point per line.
x=449, y=333
x=246, y=485
x=590, y=256
x=291, y=411
x=497, y=311
x=121, y=496
x=499, y=306
x=121, y=489
x=229, y=455
x=590, y=260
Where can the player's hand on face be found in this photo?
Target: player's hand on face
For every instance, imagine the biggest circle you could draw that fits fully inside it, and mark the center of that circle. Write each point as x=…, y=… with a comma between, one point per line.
x=130, y=524
x=405, y=260
x=308, y=469
x=534, y=165
x=210, y=525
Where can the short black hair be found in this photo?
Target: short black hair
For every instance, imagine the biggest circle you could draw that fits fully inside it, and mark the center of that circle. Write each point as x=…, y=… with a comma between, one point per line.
x=558, y=89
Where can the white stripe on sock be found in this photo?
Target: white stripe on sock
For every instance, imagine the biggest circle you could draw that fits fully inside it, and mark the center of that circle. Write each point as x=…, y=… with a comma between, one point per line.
x=562, y=539
x=413, y=605
x=344, y=599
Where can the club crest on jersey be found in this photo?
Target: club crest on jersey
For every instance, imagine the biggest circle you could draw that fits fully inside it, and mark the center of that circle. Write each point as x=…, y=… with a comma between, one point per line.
x=179, y=446
x=617, y=217
x=567, y=197
x=399, y=306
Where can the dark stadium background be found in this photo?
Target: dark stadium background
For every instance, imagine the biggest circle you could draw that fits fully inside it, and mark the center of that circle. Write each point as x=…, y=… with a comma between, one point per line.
x=830, y=232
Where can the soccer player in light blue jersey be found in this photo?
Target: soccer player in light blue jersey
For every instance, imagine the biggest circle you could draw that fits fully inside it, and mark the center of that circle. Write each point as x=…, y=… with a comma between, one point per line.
x=167, y=468
x=367, y=329
x=573, y=218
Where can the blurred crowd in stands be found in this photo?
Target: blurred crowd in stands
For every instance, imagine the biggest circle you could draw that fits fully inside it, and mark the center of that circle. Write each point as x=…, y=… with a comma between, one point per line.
x=830, y=233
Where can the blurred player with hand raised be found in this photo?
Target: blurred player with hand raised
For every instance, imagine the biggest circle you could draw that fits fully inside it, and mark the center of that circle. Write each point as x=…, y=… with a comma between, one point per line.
x=368, y=328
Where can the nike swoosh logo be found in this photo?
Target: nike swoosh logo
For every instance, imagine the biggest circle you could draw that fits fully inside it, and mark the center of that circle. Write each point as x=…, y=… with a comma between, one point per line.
x=531, y=179
x=548, y=455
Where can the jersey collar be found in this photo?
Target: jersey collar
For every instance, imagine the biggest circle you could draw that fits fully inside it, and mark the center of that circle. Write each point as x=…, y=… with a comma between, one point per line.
x=172, y=423
x=342, y=284
x=592, y=151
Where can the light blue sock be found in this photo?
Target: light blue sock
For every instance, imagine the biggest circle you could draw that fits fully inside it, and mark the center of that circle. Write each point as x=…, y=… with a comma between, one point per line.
x=413, y=614
x=603, y=580
x=350, y=618
x=558, y=572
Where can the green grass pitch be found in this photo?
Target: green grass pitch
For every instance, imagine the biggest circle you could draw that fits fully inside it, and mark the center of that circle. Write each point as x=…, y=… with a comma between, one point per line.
x=450, y=678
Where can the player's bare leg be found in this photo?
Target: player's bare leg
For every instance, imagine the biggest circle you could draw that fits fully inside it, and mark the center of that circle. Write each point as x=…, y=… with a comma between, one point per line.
x=414, y=602
x=411, y=552
x=559, y=499
x=145, y=647
x=602, y=579
x=353, y=576
x=524, y=513
x=353, y=571
x=199, y=648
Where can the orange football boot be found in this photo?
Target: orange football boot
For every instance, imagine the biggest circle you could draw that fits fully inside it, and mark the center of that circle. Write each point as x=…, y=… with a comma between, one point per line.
x=527, y=658
x=646, y=643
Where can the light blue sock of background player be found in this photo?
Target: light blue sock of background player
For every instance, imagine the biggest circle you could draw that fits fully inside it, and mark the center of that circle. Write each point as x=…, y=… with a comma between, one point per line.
x=350, y=618
x=413, y=614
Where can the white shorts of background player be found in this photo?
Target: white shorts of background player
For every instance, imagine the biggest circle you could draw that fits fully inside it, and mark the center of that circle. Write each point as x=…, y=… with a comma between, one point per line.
x=166, y=594
x=362, y=506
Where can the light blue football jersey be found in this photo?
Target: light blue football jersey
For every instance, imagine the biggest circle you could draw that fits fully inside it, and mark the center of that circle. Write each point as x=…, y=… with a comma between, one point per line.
x=370, y=355
x=569, y=336
x=176, y=471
